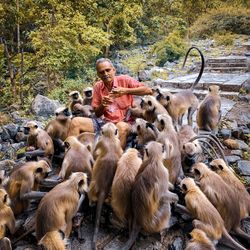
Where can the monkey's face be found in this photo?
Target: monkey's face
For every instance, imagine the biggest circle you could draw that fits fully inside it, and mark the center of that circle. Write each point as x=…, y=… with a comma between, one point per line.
x=218, y=165
x=187, y=184
x=199, y=169
x=191, y=150
x=162, y=121
x=42, y=171
x=31, y=128
x=156, y=90
x=149, y=103
x=75, y=97
x=88, y=94
x=63, y=114
x=4, y=198
x=164, y=98
x=140, y=124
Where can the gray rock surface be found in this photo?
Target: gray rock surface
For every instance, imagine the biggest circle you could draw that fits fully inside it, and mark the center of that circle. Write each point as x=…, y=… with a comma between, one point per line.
x=232, y=158
x=244, y=167
x=7, y=165
x=43, y=106
x=243, y=145
x=5, y=136
x=236, y=152
x=12, y=129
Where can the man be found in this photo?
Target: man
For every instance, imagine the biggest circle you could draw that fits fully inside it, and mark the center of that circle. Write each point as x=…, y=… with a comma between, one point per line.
x=112, y=97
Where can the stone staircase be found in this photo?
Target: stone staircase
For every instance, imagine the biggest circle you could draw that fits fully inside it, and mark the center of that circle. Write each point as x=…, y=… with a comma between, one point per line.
x=230, y=84
x=229, y=64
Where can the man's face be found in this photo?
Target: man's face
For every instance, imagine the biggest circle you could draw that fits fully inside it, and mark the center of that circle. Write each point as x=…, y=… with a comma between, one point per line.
x=106, y=72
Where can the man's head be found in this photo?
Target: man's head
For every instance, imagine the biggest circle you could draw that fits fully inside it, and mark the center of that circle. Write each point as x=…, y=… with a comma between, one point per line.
x=105, y=70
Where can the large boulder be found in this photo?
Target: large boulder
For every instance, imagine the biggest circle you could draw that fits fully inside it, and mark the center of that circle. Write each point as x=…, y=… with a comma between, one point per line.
x=43, y=106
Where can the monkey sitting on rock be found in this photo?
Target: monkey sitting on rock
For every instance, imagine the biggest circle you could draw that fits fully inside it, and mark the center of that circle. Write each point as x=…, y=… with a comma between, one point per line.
x=39, y=143
x=78, y=105
x=150, y=195
x=209, y=111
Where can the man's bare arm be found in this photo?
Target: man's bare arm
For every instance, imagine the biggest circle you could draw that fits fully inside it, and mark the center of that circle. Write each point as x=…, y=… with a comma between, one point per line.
x=142, y=90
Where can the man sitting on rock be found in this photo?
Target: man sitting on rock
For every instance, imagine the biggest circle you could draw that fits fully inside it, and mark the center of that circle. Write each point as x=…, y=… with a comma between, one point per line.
x=112, y=97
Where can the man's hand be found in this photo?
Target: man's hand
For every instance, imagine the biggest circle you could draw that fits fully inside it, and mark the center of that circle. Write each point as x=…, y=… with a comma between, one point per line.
x=119, y=91
x=107, y=100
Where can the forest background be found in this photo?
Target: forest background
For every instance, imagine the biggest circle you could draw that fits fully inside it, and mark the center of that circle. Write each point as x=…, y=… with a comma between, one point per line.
x=53, y=44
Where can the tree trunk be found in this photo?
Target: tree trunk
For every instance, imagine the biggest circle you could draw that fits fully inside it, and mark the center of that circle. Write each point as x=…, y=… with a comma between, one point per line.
x=18, y=27
x=21, y=78
x=11, y=71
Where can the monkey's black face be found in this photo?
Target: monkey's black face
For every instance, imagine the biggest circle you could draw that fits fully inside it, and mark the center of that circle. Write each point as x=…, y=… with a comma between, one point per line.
x=88, y=93
x=26, y=130
x=159, y=97
x=66, y=112
x=75, y=96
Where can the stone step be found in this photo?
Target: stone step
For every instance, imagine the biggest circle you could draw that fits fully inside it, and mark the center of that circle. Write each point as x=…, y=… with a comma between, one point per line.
x=202, y=93
x=216, y=64
x=227, y=82
x=226, y=69
x=228, y=59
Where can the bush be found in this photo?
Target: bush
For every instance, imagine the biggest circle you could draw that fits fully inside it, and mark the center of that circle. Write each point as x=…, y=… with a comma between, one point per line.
x=226, y=19
x=61, y=92
x=171, y=48
x=226, y=39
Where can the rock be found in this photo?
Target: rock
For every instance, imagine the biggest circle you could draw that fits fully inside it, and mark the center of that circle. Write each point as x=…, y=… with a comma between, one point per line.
x=225, y=133
x=20, y=136
x=236, y=152
x=246, y=225
x=177, y=244
x=5, y=136
x=231, y=144
x=10, y=153
x=18, y=146
x=247, y=179
x=242, y=145
x=12, y=129
x=144, y=75
x=232, y=158
x=233, y=124
x=150, y=64
x=7, y=165
x=43, y=106
x=173, y=221
x=5, y=146
x=244, y=167
x=16, y=117
x=40, y=88
x=244, y=98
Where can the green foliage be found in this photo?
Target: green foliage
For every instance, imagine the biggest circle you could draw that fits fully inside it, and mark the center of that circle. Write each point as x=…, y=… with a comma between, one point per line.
x=61, y=92
x=171, y=48
x=225, y=19
x=225, y=39
x=134, y=62
x=68, y=43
